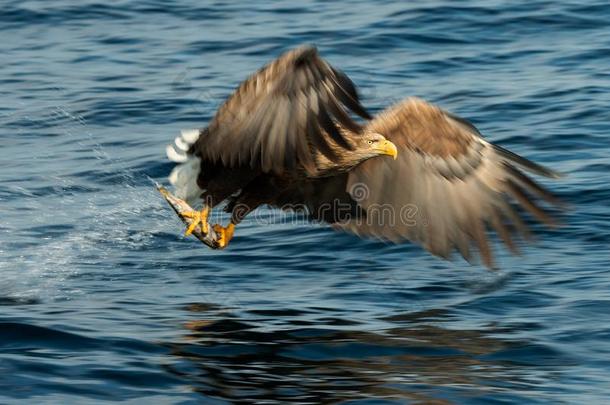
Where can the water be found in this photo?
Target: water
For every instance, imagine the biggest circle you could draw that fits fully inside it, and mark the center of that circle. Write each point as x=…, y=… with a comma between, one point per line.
x=103, y=300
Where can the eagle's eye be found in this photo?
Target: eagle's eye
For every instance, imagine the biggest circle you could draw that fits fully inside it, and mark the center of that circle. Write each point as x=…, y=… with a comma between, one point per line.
x=370, y=142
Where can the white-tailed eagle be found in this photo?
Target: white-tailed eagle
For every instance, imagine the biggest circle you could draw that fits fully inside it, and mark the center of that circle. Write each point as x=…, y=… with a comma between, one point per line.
x=286, y=137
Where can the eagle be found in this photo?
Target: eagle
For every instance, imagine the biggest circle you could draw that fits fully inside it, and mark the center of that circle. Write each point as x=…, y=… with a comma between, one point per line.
x=287, y=137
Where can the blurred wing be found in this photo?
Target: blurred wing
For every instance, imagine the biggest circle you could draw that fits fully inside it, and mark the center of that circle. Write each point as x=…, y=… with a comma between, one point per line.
x=275, y=118
x=447, y=187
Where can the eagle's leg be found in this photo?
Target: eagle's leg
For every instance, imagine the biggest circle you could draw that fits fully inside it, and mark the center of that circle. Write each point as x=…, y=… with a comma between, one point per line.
x=259, y=191
x=199, y=218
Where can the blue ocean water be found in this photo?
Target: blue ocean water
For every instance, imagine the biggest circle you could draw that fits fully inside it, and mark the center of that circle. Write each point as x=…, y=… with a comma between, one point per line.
x=103, y=300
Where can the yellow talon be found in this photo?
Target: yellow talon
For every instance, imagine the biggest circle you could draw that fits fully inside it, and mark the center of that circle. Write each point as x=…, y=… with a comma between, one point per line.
x=199, y=217
x=191, y=227
x=224, y=234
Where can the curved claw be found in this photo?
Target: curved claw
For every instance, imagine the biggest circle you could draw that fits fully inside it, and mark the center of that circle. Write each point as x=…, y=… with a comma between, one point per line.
x=199, y=218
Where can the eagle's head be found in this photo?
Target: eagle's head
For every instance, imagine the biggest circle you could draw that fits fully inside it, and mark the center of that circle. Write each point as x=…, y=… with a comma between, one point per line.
x=373, y=144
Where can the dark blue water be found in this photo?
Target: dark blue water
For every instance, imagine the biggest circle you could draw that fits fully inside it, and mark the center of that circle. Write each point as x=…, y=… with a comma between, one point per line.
x=102, y=299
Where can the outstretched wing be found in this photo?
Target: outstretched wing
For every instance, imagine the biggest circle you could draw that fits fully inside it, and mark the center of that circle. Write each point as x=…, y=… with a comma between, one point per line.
x=447, y=187
x=280, y=114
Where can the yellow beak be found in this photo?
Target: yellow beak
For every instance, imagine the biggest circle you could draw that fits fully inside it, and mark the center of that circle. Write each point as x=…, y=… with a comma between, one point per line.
x=388, y=148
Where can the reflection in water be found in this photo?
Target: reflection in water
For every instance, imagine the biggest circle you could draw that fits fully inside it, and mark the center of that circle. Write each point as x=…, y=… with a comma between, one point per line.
x=414, y=359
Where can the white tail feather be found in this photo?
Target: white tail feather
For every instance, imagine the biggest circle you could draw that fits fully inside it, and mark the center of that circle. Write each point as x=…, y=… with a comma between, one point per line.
x=184, y=176
x=182, y=145
x=174, y=155
x=190, y=135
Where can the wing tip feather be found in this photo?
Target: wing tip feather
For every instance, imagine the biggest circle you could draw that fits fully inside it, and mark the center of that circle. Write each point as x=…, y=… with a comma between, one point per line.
x=528, y=164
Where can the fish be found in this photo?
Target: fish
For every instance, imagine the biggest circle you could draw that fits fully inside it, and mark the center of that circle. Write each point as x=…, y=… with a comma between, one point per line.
x=181, y=207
